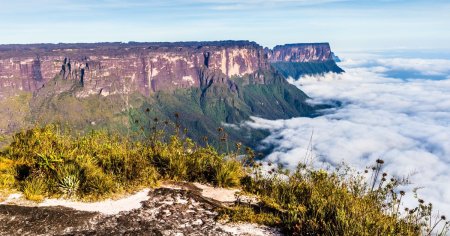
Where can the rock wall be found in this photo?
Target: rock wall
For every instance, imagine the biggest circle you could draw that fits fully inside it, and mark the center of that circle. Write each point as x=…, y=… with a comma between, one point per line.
x=108, y=68
x=301, y=52
x=111, y=68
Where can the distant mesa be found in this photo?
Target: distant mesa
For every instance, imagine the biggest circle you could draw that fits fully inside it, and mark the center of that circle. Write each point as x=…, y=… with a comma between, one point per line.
x=296, y=60
x=301, y=52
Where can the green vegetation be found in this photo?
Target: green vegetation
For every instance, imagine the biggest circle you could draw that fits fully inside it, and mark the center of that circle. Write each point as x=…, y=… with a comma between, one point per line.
x=277, y=100
x=316, y=202
x=15, y=113
x=46, y=161
x=203, y=109
x=49, y=162
x=297, y=69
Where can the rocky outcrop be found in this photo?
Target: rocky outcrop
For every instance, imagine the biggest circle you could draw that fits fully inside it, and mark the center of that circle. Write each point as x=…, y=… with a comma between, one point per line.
x=167, y=212
x=301, y=52
x=296, y=60
x=134, y=67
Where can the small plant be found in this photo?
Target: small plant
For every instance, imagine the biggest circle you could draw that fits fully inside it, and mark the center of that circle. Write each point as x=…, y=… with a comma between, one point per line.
x=7, y=180
x=69, y=185
x=228, y=174
x=34, y=189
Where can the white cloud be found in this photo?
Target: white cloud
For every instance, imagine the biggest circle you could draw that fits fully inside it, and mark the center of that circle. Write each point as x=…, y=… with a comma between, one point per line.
x=425, y=66
x=404, y=122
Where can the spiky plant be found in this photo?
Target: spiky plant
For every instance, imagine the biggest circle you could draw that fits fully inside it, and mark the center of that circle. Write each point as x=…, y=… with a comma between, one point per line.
x=69, y=185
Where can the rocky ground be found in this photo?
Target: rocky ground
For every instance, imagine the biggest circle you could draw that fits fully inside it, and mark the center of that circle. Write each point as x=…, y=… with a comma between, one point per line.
x=167, y=211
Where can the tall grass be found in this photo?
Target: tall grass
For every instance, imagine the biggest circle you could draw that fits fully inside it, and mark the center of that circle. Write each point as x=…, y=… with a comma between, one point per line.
x=340, y=202
x=48, y=161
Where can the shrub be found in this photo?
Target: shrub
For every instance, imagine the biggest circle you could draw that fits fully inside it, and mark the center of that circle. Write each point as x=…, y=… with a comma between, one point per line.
x=69, y=185
x=68, y=179
x=228, y=173
x=34, y=189
x=98, y=164
x=95, y=183
x=316, y=202
x=7, y=180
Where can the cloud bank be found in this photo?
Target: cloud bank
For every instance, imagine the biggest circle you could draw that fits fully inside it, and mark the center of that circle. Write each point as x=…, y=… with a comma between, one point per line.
x=406, y=122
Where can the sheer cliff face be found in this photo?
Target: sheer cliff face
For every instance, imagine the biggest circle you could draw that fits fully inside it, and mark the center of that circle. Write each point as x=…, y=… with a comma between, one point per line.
x=296, y=60
x=303, y=52
x=126, y=68
x=118, y=68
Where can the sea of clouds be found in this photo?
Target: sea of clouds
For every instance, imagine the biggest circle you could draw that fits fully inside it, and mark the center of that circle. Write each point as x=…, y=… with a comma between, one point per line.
x=396, y=109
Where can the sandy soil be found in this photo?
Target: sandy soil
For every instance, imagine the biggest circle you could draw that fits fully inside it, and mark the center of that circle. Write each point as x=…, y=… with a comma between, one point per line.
x=107, y=207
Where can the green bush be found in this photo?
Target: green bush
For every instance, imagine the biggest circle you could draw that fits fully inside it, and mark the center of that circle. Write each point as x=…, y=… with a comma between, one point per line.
x=34, y=189
x=95, y=183
x=7, y=180
x=316, y=202
x=228, y=174
x=97, y=165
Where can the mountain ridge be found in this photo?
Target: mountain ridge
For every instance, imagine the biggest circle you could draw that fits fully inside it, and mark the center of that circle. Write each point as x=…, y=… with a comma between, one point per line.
x=150, y=66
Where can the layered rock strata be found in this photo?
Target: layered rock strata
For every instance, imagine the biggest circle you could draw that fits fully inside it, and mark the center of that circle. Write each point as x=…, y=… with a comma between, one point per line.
x=111, y=68
x=167, y=212
x=301, y=52
x=141, y=67
x=297, y=60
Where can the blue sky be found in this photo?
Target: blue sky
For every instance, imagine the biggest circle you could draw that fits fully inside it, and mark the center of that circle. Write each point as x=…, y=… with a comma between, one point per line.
x=347, y=24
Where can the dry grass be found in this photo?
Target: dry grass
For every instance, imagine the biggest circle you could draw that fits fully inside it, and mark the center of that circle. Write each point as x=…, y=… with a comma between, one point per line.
x=47, y=162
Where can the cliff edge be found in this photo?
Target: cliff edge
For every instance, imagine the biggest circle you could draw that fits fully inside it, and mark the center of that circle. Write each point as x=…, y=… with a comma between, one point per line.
x=296, y=60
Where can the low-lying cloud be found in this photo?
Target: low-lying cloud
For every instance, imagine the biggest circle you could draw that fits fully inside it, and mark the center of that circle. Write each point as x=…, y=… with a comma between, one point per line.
x=404, y=122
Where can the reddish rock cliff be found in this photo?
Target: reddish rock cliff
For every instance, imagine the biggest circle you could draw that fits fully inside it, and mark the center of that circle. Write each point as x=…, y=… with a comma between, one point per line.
x=108, y=68
x=301, y=52
x=111, y=68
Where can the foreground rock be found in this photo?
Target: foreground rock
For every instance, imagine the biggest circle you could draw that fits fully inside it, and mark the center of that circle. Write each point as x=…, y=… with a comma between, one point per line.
x=168, y=211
